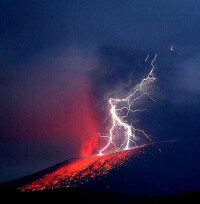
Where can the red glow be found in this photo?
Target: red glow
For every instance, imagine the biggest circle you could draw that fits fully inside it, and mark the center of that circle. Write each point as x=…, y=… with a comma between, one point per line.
x=79, y=171
x=66, y=115
x=89, y=146
x=79, y=118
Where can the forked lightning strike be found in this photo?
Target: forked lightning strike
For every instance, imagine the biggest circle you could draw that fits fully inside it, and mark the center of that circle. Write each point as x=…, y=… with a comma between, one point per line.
x=117, y=108
x=78, y=171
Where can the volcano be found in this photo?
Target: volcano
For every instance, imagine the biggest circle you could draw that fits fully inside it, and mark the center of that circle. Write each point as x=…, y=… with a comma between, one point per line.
x=158, y=169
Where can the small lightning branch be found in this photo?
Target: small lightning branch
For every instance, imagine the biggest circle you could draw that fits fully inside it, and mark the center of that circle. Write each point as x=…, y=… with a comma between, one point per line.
x=122, y=135
x=147, y=58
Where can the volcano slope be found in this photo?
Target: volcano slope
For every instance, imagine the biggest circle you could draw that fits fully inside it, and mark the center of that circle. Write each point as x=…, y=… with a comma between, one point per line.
x=159, y=169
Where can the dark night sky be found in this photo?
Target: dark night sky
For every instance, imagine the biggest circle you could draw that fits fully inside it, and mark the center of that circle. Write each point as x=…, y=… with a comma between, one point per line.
x=56, y=54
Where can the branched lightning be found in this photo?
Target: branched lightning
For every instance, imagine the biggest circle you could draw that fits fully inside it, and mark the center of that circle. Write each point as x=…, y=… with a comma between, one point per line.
x=120, y=110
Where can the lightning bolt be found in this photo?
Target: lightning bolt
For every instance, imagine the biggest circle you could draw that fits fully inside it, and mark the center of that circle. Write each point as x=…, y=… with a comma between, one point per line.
x=125, y=105
x=147, y=58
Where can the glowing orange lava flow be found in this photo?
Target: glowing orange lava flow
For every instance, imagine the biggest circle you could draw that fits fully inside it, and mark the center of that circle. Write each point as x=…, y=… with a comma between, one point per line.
x=79, y=171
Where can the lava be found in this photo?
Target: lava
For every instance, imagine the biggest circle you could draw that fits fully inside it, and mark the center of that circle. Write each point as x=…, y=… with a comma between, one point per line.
x=79, y=171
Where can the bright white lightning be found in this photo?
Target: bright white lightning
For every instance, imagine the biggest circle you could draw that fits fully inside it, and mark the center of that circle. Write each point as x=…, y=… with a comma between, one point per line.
x=147, y=58
x=119, y=120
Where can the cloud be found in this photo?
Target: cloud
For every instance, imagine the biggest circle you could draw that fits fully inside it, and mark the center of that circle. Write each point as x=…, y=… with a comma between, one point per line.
x=189, y=75
x=49, y=102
